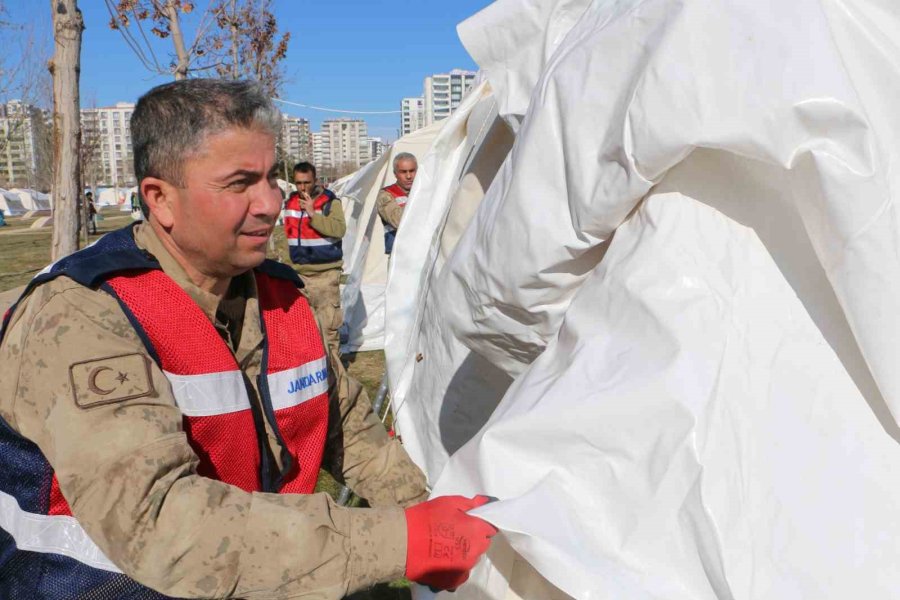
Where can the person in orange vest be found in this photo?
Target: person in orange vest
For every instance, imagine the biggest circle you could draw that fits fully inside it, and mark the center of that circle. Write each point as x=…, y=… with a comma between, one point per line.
x=167, y=400
x=391, y=200
x=314, y=225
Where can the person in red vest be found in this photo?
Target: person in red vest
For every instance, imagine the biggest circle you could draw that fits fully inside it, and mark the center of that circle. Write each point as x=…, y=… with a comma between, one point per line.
x=314, y=225
x=167, y=400
x=392, y=200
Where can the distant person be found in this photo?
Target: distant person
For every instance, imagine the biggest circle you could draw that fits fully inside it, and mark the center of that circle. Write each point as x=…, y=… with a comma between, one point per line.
x=314, y=226
x=137, y=213
x=392, y=200
x=167, y=401
x=92, y=213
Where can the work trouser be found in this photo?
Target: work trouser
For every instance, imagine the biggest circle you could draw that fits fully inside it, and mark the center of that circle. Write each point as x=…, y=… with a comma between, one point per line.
x=324, y=290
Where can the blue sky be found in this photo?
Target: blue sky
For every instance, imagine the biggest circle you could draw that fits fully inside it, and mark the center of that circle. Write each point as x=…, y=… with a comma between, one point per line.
x=349, y=54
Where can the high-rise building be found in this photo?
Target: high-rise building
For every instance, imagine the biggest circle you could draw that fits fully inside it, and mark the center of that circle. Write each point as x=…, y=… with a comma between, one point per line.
x=25, y=152
x=347, y=145
x=444, y=92
x=412, y=114
x=106, y=139
x=296, y=140
x=376, y=148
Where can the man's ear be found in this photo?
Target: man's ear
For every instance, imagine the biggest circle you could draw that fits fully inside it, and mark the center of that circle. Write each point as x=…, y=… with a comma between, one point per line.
x=159, y=196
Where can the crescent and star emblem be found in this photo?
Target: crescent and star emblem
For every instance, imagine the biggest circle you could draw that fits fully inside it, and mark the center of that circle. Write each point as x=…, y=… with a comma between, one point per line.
x=92, y=382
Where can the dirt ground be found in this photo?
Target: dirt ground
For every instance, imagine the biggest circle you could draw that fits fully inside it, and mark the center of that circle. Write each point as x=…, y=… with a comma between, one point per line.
x=25, y=251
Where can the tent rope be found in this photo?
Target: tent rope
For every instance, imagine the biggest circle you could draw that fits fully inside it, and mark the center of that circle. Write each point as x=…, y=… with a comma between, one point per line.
x=339, y=110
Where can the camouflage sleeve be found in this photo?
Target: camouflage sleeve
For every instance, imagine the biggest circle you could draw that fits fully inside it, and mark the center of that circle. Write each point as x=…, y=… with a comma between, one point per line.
x=374, y=466
x=332, y=224
x=388, y=209
x=129, y=475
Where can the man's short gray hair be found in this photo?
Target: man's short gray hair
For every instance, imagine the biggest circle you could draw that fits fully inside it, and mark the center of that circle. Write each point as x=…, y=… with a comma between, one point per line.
x=404, y=156
x=171, y=121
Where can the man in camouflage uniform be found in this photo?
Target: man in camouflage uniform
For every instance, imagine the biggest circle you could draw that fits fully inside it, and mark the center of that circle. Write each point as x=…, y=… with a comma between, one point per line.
x=391, y=201
x=313, y=226
x=88, y=413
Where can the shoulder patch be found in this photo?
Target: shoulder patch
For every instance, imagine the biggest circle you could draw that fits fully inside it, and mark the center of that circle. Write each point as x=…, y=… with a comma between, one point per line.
x=112, y=379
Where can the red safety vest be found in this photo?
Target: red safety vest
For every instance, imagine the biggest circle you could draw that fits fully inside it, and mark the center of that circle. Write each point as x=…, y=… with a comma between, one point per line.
x=307, y=245
x=390, y=232
x=209, y=387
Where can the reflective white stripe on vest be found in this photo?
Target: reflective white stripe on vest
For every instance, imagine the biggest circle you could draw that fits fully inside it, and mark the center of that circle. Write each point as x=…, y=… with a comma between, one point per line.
x=293, y=242
x=323, y=241
x=51, y=534
x=210, y=394
x=301, y=214
x=295, y=386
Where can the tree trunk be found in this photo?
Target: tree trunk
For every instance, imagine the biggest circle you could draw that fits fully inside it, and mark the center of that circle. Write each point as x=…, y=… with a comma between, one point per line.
x=181, y=68
x=66, y=69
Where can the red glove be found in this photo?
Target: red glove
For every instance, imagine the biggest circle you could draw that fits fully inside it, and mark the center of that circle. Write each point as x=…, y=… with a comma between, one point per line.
x=443, y=542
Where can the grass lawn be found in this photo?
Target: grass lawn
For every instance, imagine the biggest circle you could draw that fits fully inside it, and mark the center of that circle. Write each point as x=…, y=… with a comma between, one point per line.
x=25, y=251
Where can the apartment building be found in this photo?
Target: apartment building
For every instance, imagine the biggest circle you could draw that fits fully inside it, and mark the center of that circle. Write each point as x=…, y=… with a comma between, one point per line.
x=321, y=150
x=377, y=147
x=444, y=91
x=296, y=138
x=412, y=114
x=25, y=146
x=106, y=140
x=345, y=147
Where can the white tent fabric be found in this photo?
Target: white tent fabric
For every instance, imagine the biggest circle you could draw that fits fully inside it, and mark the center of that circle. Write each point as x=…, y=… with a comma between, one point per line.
x=113, y=196
x=365, y=262
x=682, y=283
x=10, y=204
x=32, y=200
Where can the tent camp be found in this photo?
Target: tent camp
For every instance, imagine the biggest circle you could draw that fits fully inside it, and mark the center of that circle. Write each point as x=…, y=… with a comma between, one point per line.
x=664, y=337
x=33, y=200
x=365, y=262
x=10, y=204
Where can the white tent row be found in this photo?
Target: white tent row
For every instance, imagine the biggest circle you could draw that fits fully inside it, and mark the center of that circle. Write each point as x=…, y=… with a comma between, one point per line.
x=33, y=200
x=113, y=196
x=11, y=204
x=665, y=336
x=365, y=262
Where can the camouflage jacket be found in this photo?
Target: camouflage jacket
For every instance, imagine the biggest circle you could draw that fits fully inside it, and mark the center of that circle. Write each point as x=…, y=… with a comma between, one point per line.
x=129, y=474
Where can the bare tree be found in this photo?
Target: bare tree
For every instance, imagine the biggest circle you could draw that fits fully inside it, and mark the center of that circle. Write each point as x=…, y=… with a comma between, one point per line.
x=65, y=67
x=233, y=38
x=254, y=48
x=142, y=21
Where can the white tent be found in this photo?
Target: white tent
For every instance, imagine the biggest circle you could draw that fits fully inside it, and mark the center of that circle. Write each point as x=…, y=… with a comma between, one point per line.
x=365, y=262
x=32, y=200
x=287, y=188
x=113, y=196
x=10, y=204
x=665, y=339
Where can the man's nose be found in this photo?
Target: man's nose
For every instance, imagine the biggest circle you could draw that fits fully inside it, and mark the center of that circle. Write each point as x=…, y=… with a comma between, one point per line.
x=266, y=202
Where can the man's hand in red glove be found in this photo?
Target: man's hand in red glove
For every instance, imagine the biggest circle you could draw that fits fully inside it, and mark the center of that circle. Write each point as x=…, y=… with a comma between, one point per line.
x=443, y=542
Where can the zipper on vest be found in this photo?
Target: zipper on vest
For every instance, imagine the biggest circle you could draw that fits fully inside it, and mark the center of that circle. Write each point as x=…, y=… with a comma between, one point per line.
x=270, y=481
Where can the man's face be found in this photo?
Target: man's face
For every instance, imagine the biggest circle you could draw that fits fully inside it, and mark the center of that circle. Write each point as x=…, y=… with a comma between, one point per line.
x=222, y=218
x=405, y=172
x=305, y=182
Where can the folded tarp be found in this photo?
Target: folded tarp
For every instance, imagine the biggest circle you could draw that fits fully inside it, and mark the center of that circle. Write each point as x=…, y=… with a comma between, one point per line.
x=678, y=292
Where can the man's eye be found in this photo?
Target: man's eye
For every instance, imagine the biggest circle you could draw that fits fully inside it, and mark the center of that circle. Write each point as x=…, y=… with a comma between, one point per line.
x=240, y=184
